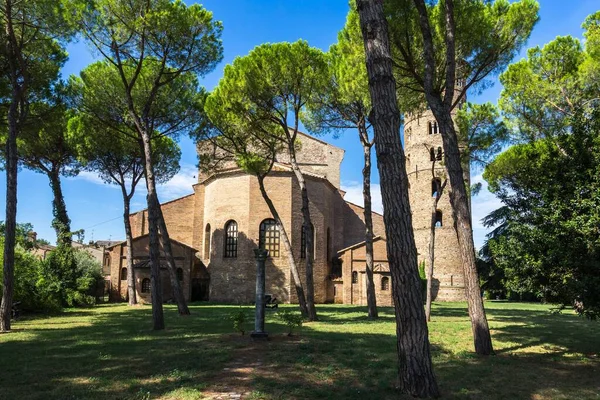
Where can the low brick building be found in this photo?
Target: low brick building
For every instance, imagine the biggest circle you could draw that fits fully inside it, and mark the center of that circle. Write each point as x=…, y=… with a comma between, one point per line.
x=216, y=228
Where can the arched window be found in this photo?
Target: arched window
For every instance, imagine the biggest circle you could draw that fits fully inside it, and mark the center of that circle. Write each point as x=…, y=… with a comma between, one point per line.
x=438, y=218
x=231, y=239
x=303, y=241
x=207, y=241
x=123, y=274
x=433, y=128
x=268, y=237
x=439, y=154
x=146, y=285
x=431, y=154
x=354, y=277
x=385, y=283
x=435, y=183
x=180, y=274
x=409, y=134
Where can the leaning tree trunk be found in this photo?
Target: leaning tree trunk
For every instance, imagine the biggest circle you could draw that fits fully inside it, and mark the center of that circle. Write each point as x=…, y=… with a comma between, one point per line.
x=61, y=222
x=415, y=371
x=18, y=90
x=459, y=201
x=158, y=318
x=175, y=284
x=288, y=248
x=132, y=296
x=371, y=298
x=309, y=236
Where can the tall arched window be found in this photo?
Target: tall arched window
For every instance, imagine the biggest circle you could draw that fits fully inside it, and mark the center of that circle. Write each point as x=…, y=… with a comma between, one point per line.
x=231, y=239
x=385, y=283
x=439, y=154
x=431, y=154
x=435, y=183
x=180, y=274
x=354, y=277
x=207, y=241
x=268, y=237
x=303, y=241
x=146, y=285
x=438, y=218
x=123, y=274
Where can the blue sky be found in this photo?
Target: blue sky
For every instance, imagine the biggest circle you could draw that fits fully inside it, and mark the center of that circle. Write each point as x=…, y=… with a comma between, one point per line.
x=97, y=207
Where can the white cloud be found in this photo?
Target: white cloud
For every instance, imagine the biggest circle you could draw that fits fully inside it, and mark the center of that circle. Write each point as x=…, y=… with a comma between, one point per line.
x=354, y=194
x=180, y=184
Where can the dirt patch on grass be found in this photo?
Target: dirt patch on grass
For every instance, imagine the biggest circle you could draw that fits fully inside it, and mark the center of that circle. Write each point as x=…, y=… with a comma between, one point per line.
x=248, y=361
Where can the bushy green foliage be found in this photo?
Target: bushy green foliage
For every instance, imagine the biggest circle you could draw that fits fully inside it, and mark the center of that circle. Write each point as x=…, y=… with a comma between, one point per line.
x=423, y=277
x=239, y=320
x=291, y=319
x=71, y=276
x=66, y=278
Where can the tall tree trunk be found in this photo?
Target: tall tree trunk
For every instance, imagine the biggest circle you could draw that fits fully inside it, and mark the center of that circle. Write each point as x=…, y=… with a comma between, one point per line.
x=460, y=206
x=158, y=318
x=415, y=371
x=441, y=109
x=288, y=248
x=61, y=222
x=132, y=295
x=309, y=236
x=18, y=91
x=11, y=215
x=182, y=307
x=371, y=298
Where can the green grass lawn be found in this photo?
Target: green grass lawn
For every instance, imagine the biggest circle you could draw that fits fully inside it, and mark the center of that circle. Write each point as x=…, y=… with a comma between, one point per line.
x=110, y=352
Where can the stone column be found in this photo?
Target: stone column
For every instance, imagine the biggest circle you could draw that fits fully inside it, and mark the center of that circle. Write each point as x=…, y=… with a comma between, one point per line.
x=259, y=316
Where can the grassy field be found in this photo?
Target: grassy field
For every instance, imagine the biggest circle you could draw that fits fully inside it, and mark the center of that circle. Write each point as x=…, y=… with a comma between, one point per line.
x=110, y=352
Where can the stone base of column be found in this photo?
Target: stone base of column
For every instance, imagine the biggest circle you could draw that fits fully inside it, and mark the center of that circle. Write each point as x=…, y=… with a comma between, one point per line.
x=259, y=336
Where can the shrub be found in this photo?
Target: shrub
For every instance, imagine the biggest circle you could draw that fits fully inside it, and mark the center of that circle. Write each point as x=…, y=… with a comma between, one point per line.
x=239, y=320
x=290, y=319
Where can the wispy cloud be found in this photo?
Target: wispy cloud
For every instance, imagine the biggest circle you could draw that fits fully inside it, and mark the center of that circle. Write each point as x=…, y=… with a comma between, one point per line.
x=179, y=185
x=354, y=194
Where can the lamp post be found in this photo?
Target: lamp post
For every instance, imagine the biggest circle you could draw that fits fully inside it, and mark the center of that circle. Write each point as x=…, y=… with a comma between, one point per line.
x=259, y=315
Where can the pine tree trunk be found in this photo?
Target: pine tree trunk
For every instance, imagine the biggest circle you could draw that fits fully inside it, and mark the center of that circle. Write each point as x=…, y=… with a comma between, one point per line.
x=288, y=248
x=18, y=91
x=132, y=296
x=431, y=259
x=310, y=285
x=459, y=201
x=415, y=371
x=182, y=307
x=61, y=222
x=11, y=215
x=371, y=298
x=158, y=318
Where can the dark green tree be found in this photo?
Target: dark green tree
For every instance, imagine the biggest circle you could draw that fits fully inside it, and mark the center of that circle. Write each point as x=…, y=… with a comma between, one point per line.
x=440, y=50
x=271, y=88
x=415, y=370
x=156, y=48
x=31, y=56
x=117, y=159
x=345, y=104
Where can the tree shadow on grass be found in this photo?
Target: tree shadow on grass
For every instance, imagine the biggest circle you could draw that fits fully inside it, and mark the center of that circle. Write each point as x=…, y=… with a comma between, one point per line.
x=111, y=352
